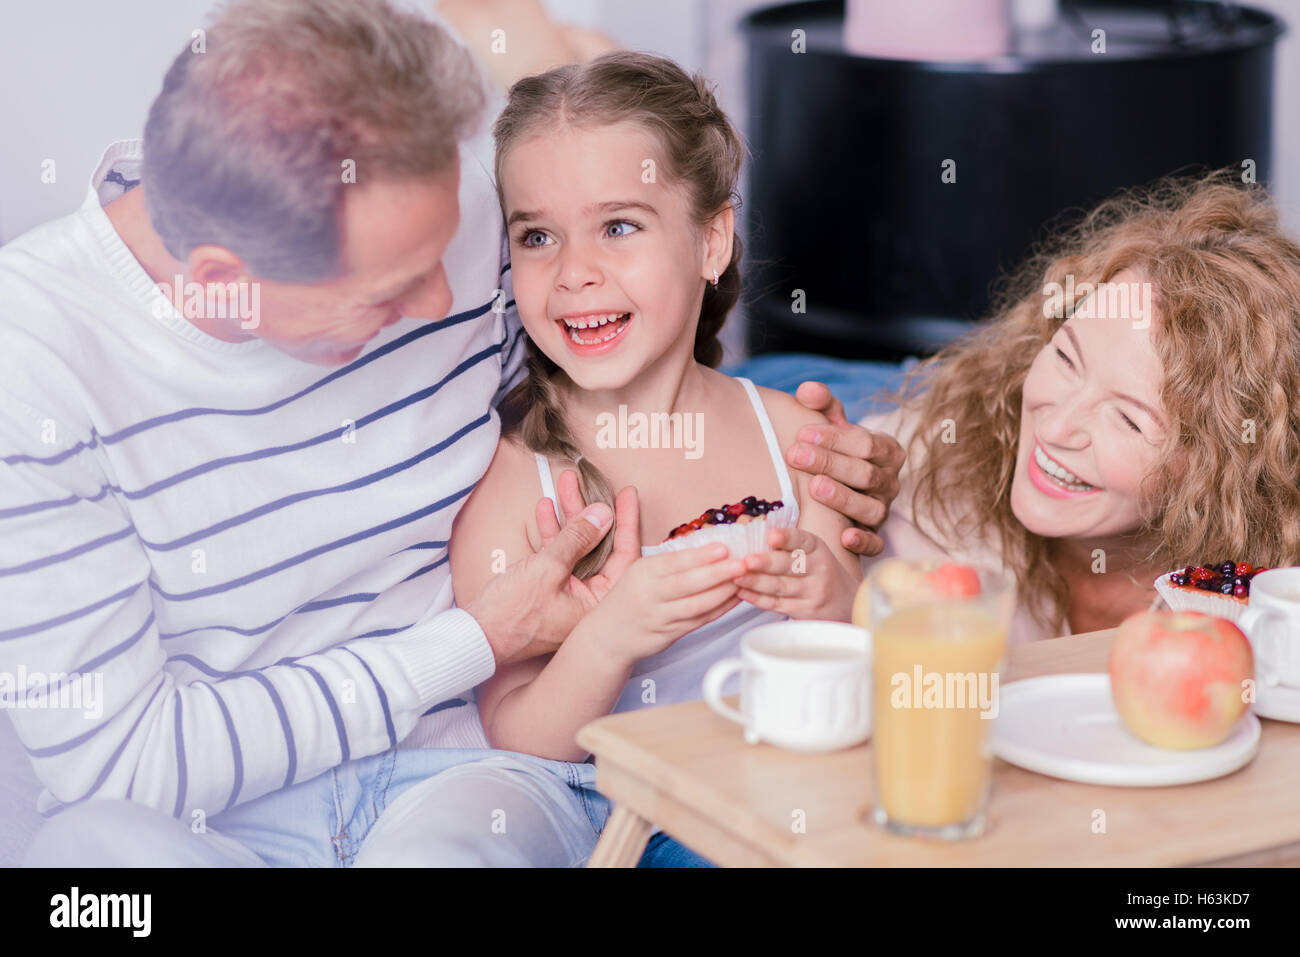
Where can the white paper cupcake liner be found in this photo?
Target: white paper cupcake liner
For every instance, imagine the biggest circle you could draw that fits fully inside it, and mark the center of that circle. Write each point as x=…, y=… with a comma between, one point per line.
x=1194, y=599
x=741, y=540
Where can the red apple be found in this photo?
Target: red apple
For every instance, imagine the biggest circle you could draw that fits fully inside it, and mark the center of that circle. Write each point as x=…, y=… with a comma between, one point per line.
x=1177, y=677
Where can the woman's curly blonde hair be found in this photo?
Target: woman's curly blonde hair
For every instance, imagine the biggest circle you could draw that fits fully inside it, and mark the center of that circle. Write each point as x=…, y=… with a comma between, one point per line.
x=1226, y=481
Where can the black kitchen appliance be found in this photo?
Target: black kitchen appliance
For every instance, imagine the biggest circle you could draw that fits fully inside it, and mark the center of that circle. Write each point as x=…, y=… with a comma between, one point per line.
x=846, y=199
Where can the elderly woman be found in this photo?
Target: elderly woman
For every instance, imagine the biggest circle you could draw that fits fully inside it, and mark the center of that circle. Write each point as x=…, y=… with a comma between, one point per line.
x=1087, y=446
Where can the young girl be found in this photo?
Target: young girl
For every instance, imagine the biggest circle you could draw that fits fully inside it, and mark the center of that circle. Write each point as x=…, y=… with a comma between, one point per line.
x=617, y=181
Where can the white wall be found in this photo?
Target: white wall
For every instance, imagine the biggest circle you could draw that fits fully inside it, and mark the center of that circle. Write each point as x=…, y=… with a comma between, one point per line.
x=1286, y=111
x=81, y=73
x=77, y=74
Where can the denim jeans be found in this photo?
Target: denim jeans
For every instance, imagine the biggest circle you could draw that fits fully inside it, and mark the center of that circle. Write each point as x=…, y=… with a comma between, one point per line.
x=418, y=808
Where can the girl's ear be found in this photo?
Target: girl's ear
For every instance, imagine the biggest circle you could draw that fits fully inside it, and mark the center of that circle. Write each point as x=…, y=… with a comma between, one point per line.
x=719, y=234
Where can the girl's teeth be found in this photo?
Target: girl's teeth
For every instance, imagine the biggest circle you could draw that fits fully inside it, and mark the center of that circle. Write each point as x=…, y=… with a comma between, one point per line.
x=590, y=323
x=573, y=325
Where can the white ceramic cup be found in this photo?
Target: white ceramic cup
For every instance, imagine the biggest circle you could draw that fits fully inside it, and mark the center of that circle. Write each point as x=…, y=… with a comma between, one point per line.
x=1272, y=623
x=805, y=685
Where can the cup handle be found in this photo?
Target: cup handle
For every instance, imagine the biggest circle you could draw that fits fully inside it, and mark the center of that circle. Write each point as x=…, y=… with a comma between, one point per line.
x=1254, y=622
x=714, y=679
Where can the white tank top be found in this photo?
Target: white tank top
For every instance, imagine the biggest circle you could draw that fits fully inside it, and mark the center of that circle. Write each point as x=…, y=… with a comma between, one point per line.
x=677, y=674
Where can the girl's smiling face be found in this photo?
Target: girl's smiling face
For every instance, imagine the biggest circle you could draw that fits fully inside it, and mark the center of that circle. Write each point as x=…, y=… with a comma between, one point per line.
x=1090, y=427
x=594, y=245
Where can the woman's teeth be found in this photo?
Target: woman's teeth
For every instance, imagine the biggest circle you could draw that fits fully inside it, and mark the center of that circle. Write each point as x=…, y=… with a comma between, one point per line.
x=1063, y=476
x=596, y=322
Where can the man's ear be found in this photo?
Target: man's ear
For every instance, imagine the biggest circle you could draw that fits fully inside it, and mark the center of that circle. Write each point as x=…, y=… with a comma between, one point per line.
x=719, y=237
x=215, y=264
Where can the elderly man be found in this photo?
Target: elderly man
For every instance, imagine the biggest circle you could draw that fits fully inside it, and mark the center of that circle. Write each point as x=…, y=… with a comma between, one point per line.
x=244, y=391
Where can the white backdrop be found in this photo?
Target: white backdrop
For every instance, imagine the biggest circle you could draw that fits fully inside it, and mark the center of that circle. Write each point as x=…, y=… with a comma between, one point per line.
x=81, y=73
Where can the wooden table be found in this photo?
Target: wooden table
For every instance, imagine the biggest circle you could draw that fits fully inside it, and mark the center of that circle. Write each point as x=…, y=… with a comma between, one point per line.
x=688, y=771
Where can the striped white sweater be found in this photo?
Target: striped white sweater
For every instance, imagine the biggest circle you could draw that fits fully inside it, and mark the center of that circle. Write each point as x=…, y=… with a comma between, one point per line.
x=244, y=554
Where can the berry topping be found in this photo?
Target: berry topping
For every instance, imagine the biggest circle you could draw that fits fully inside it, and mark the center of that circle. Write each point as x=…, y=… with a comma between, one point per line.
x=1223, y=578
x=741, y=512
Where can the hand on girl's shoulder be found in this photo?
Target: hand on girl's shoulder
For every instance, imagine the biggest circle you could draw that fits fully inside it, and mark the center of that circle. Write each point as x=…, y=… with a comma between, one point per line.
x=787, y=414
x=788, y=417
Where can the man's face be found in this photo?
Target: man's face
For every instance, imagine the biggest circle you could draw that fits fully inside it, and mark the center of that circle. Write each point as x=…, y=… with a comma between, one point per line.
x=394, y=234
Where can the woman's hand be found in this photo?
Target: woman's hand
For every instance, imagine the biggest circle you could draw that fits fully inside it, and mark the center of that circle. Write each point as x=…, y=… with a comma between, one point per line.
x=660, y=598
x=799, y=578
x=856, y=470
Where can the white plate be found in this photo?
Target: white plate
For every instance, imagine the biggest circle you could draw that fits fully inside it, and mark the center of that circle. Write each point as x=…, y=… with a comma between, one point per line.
x=1279, y=702
x=1066, y=726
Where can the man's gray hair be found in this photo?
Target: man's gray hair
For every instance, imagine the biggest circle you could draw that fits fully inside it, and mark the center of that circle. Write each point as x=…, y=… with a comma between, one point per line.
x=258, y=130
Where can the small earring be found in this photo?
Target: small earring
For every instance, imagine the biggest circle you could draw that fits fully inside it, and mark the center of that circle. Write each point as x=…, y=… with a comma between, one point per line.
x=715, y=277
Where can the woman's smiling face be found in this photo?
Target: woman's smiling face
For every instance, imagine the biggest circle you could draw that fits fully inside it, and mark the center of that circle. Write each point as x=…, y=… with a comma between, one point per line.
x=1090, y=427
x=607, y=268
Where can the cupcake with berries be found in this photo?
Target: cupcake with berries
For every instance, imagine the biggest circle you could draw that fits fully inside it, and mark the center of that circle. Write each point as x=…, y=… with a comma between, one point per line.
x=1221, y=589
x=742, y=527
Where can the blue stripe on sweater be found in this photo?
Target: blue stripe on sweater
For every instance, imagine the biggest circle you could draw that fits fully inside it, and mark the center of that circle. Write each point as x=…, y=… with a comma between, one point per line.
x=313, y=552
x=20, y=510
x=85, y=736
x=329, y=436
x=213, y=672
x=113, y=759
x=421, y=546
x=359, y=597
x=288, y=500
x=236, y=753
x=284, y=724
x=253, y=513
x=114, y=437
x=339, y=729
x=426, y=569
x=68, y=616
x=445, y=705
x=117, y=649
x=383, y=699
x=181, y=784
x=68, y=554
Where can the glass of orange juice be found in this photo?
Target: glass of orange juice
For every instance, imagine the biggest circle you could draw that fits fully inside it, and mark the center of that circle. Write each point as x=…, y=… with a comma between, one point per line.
x=939, y=641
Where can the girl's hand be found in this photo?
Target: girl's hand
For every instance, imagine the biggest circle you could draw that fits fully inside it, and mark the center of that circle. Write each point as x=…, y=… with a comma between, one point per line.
x=660, y=598
x=800, y=578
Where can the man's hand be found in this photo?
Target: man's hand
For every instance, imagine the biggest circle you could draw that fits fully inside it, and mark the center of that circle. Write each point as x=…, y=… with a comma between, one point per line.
x=627, y=536
x=856, y=470
x=530, y=608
